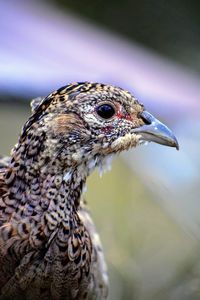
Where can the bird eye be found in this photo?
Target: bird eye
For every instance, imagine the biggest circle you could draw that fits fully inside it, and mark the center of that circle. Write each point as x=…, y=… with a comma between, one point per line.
x=105, y=111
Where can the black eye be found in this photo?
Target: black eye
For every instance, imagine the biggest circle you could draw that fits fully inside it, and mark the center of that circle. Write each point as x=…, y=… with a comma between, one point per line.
x=105, y=111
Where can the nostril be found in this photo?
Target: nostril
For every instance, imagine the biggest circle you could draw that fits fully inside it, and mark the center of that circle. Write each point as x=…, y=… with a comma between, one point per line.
x=146, y=117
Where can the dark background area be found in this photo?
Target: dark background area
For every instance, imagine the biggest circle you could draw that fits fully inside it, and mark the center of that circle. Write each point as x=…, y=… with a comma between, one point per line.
x=171, y=27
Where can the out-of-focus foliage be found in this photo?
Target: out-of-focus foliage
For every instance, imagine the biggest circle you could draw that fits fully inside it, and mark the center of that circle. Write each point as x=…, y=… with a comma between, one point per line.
x=170, y=27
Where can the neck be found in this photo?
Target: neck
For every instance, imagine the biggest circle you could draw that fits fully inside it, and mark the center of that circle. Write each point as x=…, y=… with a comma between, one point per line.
x=34, y=173
x=43, y=186
x=45, y=180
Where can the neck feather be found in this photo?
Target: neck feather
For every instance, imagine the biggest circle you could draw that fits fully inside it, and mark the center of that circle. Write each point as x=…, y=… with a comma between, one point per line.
x=45, y=186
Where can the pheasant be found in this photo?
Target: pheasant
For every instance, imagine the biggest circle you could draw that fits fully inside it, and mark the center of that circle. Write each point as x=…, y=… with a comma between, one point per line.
x=49, y=248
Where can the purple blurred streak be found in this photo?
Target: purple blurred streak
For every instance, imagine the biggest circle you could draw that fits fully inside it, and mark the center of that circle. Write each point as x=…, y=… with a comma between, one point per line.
x=43, y=49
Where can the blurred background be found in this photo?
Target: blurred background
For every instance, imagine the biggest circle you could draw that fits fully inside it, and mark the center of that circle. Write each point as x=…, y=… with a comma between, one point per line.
x=147, y=208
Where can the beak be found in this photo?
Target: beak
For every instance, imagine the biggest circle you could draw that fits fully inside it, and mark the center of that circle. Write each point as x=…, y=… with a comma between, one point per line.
x=155, y=131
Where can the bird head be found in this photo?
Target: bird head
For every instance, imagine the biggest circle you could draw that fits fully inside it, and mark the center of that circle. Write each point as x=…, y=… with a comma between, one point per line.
x=84, y=121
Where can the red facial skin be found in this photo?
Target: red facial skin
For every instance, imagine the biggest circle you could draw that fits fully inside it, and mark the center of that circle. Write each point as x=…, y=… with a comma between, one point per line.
x=120, y=115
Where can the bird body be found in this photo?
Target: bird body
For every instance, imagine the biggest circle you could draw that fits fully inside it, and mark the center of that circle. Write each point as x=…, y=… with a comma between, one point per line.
x=49, y=248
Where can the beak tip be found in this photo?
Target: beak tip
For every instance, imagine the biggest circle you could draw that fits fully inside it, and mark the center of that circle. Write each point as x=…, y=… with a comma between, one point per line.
x=176, y=145
x=172, y=140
